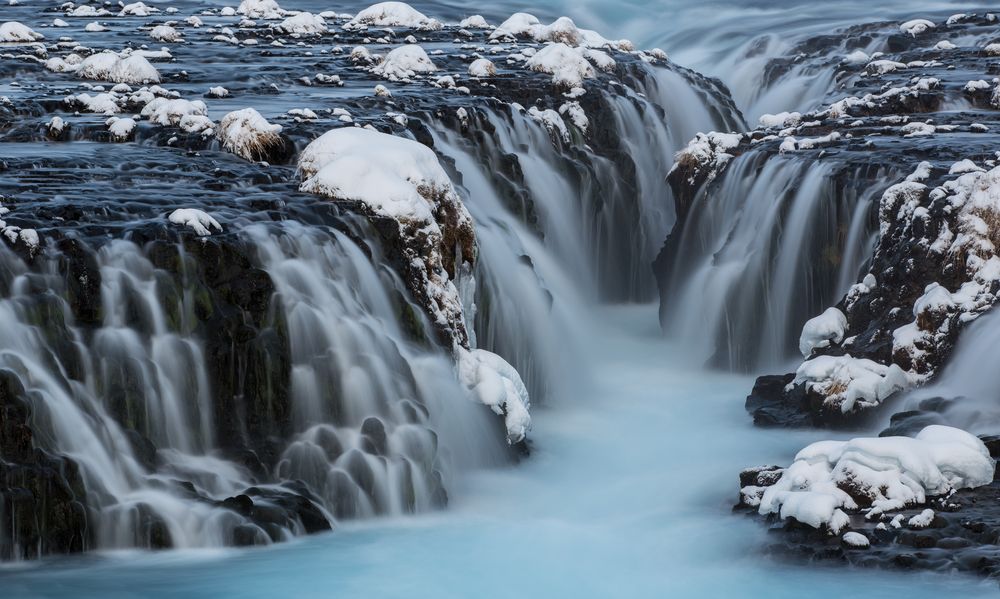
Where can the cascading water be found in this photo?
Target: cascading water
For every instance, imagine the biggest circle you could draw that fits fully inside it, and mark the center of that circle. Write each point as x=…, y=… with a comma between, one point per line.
x=767, y=246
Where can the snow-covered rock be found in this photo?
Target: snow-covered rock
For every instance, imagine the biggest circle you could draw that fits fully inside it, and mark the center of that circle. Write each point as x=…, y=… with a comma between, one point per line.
x=400, y=179
x=248, y=134
x=14, y=32
x=567, y=66
x=845, y=383
x=392, y=14
x=705, y=155
x=877, y=475
x=260, y=9
x=169, y=111
x=821, y=330
x=120, y=129
x=916, y=26
x=482, y=67
x=303, y=23
x=404, y=63
x=497, y=384
x=200, y=221
x=165, y=33
x=474, y=22
x=107, y=66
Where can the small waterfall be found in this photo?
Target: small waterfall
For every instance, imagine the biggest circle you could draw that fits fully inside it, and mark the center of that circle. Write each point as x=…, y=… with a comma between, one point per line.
x=966, y=393
x=773, y=242
x=378, y=421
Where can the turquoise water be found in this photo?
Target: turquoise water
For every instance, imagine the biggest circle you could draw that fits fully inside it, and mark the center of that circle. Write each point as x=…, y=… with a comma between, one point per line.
x=628, y=494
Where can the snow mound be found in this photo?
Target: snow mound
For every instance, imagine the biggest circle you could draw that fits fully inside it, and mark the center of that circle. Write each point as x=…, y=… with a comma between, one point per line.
x=13, y=32
x=303, y=23
x=496, y=384
x=169, y=111
x=199, y=220
x=819, y=331
x=848, y=383
x=138, y=9
x=120, y=129
x=474, y=22
x=404, y=63
x=401, y=179
x=916, y=27
x=567, y=66
x=248, y=134
x=165, y=33
x=107, y=66
x=876, y=474
x=482, y=67
x=563, y=30
x=260, y=9
x=392, y=14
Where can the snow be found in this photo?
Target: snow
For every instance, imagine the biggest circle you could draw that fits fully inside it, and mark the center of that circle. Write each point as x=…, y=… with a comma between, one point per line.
x=707, y=152
x=247, y=134
x=401, y=179
x=392, y=14
x=120, y=129
x=916, y=27
x=15, y=32
x=101, y=103
x=474, y=22
x=482, y=67
x=218, y=92
x=94, y=27
x=819, y=331
x=576, y=115
x=303, y=23
x=921, y=520
x=199, y=220
x=877, y=474
x=847, y=383
x=260, y=9
x=552, y=121
x=138, y=9
x=107, y=66
x=780, y=120
x=497, y=384
x=855, y=539
x=405, y=62
x=563, y=30
x=59, y=23
x=567, y=66
x=165, y=33
x=382, y=171
x=169, y=111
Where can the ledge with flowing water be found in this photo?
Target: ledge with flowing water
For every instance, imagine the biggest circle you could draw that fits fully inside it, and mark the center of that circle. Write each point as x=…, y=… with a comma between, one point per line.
x=196, y=352
x=860, y=236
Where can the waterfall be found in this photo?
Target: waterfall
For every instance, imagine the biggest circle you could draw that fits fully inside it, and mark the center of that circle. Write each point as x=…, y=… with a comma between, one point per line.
x=966, y=394
x=774, y=241
x=278, y=378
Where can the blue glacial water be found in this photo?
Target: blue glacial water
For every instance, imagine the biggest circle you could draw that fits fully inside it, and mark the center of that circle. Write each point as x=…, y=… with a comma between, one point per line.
x=627, y=494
